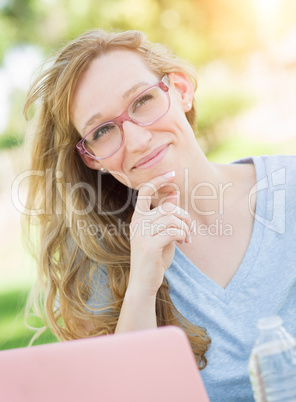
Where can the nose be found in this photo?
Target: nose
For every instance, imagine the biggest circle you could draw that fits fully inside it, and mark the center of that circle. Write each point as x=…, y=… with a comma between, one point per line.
x=136, y=138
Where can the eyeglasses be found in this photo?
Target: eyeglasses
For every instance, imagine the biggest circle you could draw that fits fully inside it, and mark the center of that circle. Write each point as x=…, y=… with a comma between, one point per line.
x=148, y=107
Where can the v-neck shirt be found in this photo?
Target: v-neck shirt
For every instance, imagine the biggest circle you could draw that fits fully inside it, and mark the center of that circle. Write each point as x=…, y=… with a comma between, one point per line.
x=264, y=283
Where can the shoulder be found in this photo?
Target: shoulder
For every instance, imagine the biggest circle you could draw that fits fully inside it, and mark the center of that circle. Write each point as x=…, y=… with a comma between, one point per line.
x=273, y=162
x=280, y=169
x=270, y=161
x=276, y=177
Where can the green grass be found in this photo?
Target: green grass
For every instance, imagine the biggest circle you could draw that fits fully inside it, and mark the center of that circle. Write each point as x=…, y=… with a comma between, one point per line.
x=17, y=275
x=13, y=332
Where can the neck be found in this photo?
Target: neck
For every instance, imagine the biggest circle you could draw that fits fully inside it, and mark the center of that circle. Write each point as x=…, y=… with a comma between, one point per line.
x=209, y=191
x=205, y=193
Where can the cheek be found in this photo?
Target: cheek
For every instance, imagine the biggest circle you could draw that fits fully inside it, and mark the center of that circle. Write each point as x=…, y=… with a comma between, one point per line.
x=179, y=115
x=176, y=110
x=176, y=121
x=114, y=163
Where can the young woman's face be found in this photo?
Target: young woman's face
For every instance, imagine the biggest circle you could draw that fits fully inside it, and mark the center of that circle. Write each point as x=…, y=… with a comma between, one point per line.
x=105, y=89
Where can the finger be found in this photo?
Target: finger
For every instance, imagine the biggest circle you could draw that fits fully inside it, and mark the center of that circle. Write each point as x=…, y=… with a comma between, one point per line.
x=169, y=208
x=161, y=218
x=170, y=235
x=170, y=221
x=147, y=190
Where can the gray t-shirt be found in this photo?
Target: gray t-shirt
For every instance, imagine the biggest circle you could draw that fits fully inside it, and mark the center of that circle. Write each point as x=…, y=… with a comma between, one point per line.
x=264, y=284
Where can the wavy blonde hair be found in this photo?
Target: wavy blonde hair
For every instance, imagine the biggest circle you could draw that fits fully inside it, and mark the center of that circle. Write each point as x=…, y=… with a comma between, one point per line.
x=68, y=258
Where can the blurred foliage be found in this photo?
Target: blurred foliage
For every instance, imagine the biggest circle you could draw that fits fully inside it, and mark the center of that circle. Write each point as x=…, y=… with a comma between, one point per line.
x=235, y=147
x=13, y=135
x=13, y=332
x=8, y=140
x=214, y=109
x=199, y=31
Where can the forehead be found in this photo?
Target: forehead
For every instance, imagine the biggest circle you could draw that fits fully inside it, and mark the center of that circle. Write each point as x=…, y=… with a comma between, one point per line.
x=102, y=85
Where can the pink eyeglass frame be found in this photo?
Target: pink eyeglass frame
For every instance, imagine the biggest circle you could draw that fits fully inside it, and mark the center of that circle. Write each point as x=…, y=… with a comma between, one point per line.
x=163, y=85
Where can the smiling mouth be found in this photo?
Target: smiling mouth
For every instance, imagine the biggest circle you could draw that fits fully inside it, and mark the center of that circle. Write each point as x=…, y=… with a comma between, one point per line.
x=153, y=158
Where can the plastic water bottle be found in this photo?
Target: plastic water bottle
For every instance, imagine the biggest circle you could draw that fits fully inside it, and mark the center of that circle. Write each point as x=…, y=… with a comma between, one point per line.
x=272, y=365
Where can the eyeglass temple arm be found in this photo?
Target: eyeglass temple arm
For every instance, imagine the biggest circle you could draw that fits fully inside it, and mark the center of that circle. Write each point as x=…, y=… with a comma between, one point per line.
x=80, y=148
x=166, y=81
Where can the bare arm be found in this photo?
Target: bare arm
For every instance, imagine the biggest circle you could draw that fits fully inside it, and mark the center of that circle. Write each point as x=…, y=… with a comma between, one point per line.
x=152, y=251
x=137, y=312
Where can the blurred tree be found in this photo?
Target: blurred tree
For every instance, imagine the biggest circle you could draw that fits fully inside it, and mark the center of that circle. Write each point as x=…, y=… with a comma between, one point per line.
x=198, y=30
x=18, y=18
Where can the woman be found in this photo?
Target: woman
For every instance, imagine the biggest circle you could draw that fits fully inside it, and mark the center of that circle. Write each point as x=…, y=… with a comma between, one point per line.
x=139, y=229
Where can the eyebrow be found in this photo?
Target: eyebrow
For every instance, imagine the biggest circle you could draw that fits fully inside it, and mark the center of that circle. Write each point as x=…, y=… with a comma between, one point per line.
x=125, y=95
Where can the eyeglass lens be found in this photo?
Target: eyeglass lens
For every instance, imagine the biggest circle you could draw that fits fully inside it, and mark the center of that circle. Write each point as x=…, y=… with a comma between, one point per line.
x=144, y=110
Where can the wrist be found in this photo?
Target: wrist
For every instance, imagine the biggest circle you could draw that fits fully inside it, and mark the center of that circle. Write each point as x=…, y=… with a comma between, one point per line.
x=138, y=293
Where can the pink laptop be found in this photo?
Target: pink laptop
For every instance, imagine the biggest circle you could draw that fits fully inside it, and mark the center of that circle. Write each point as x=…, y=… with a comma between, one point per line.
x=154, y=365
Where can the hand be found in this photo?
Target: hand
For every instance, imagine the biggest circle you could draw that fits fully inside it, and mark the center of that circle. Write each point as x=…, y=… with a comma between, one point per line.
x=153, y=236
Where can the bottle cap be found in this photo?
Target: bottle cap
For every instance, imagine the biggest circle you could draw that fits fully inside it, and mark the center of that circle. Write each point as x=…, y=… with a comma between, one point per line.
x=269, y=322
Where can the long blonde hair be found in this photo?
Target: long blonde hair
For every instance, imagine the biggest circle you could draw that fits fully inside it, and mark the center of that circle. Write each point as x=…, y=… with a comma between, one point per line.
x=70, y=258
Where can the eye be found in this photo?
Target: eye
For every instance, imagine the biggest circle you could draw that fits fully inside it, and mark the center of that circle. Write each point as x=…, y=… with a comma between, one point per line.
x=101, y=131
x=143, y=100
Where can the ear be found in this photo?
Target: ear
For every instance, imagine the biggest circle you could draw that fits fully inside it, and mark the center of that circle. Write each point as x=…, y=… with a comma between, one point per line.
x=184, y=89
x=90, y=162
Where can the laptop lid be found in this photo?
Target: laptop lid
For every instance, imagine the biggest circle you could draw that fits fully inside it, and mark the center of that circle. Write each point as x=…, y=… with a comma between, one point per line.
x=143, y=366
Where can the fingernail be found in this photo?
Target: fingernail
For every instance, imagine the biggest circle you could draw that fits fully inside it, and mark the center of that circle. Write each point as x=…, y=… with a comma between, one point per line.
x=170, y=174
x=192, y=228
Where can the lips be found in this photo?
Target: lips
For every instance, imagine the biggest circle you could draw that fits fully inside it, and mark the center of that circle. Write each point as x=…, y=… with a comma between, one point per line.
x=150, y=156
